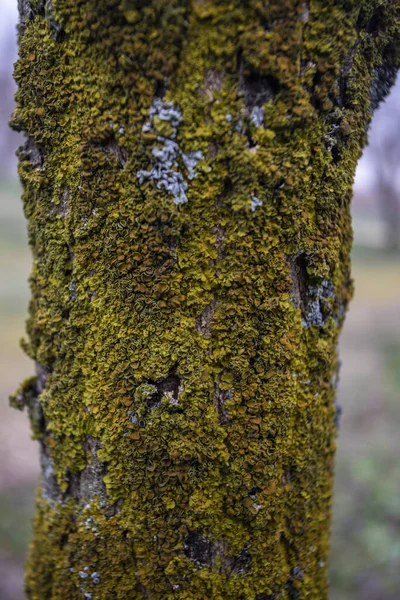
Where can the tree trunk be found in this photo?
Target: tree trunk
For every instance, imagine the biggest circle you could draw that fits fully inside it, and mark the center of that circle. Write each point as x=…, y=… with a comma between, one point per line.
x=187, y=179
x=388, y=198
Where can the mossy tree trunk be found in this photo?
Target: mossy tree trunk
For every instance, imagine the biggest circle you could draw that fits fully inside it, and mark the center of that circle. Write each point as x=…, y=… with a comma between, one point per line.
x=187, y=179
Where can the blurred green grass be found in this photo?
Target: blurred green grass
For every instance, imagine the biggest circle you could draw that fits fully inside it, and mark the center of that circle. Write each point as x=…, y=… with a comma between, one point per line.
x=365, y=561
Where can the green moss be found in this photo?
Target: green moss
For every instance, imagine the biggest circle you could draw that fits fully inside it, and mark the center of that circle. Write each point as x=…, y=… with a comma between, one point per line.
x=129, y=289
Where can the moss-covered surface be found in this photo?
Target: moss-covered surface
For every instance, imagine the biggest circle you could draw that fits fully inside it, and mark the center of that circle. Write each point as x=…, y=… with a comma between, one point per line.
x=187, y=180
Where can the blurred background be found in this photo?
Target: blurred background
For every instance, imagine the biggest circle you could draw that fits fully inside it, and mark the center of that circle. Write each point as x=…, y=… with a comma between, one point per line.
x=365, y=561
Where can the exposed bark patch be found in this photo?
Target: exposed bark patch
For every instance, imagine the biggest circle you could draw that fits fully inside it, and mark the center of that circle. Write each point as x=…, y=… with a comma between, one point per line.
x=315, y=299
x=206, y=553
x=168, y=385
x=203, y=321
x=29, y=150
x=28, y=9
x=213, y=82
x=50, y=489
x=83, y=486
x=57, y=31
x=88, y=484
x=62, y=208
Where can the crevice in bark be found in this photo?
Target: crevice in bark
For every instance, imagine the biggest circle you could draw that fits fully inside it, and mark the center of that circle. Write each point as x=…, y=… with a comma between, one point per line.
x=119, y=152
x=220, y=397
x=344, y=75
x=203, y=321
x=300, y=280
x=151, y=393
x=304, y=17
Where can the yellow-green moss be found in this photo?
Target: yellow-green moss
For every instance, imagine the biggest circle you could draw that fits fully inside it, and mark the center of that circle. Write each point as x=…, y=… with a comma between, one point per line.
x=131, y=291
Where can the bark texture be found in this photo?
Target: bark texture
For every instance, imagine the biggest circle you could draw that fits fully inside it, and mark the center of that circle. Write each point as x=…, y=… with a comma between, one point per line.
x=187, y=180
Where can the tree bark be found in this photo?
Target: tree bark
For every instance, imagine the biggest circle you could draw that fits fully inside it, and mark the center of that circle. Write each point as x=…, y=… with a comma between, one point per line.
x=187, y=179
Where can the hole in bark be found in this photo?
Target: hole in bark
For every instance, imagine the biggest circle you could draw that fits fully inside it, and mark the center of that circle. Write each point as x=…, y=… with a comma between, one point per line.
x=257, y=90
x=205, y=552
x=198, y=548
x=155, y=390
x=160, y=90
x=169, y=384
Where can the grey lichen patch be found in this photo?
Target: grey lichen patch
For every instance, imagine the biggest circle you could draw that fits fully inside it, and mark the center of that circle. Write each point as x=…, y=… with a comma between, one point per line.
x=257, y=116
x=88, y=580
x=316, y=312
x=255, y=203
x=314, y=297
x=168, y=158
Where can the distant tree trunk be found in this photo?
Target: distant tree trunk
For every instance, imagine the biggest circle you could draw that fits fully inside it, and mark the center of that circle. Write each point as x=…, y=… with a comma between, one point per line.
x=187, y=179
x=388, y=199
